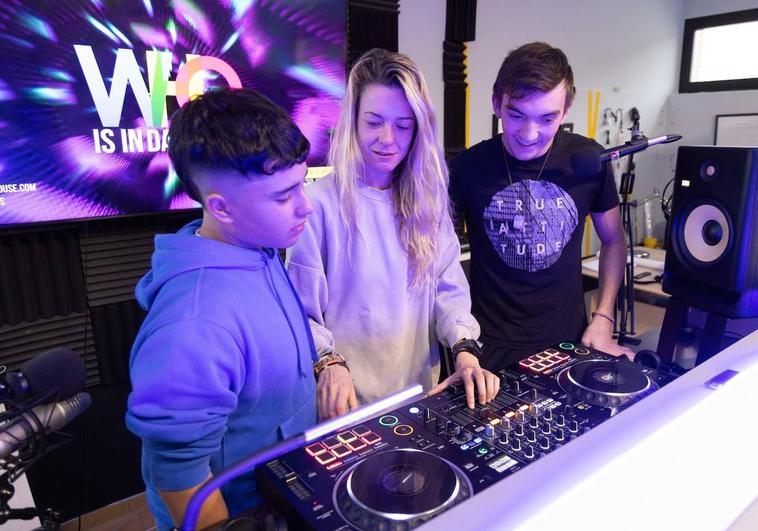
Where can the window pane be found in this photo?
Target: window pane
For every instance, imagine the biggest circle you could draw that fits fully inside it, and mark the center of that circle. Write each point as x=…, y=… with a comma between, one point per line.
x=725, y=52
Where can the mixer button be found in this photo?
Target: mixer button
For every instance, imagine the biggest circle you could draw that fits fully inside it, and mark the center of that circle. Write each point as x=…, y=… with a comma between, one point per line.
x=356, y=445
x=403, y=430
x=315, y=449
x=371, y=438
x=331, y=442
x=341, y=451
x=325, y=458
x=346, y=436
x=388, y=420
x=361, y=430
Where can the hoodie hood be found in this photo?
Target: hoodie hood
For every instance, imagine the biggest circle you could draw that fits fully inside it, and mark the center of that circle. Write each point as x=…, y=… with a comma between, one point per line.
x=185, y=251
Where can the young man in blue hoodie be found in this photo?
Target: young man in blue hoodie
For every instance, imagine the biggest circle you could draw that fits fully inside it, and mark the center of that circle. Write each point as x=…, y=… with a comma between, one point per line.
x=222, y=365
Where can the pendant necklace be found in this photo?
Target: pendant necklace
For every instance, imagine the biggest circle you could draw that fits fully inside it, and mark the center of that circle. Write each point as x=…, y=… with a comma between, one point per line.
x=518, y=219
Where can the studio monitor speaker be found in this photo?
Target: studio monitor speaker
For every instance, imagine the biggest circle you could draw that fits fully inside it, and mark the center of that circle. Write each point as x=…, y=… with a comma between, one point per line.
x=712, y=256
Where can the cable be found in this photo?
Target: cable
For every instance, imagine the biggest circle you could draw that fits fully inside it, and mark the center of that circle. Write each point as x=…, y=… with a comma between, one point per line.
x=666, y=202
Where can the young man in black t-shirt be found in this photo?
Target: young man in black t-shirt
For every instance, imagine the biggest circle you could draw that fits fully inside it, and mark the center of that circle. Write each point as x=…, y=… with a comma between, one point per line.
x=525, y=212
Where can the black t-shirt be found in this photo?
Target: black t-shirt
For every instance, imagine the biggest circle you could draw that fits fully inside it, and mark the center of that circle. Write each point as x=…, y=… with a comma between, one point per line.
x=526, y=237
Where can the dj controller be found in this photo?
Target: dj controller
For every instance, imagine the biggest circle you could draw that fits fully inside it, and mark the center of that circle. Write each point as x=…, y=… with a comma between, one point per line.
x=402, y=468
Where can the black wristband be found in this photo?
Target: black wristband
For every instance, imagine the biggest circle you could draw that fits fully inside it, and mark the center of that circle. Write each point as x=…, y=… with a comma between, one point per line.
x=469, y=345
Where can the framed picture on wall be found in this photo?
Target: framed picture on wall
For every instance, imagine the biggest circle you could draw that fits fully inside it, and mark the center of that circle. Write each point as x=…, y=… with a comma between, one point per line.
x=740, y=130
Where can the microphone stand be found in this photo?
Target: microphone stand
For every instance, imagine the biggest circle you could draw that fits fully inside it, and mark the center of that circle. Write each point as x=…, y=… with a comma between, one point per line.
x=624, y=313
x=50, y=518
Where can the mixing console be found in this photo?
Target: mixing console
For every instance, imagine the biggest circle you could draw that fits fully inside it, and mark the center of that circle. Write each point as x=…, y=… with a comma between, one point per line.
x=402, y=468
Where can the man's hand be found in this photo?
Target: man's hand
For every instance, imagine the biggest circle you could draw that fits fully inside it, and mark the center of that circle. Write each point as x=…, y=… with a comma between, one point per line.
x=599, y=335
x=335, y=392
x=468, y=370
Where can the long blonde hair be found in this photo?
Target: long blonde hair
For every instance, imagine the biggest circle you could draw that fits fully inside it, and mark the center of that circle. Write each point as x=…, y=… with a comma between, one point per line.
x=420, y=192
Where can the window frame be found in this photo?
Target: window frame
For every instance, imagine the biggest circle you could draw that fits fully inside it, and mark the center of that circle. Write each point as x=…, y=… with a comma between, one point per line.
x=693, y=24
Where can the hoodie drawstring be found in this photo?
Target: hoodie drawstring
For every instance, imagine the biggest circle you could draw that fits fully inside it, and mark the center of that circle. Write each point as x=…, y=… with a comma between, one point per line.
x=272, y=284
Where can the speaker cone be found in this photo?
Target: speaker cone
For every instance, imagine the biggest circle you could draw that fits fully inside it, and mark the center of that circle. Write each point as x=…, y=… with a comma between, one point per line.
x=705, y=234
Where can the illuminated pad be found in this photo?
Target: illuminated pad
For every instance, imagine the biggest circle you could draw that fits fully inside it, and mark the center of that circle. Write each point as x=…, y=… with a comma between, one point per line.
x=361, y=430
x=331, y=442
x=355, y=445
x=325, y=458
x=346, y=436
x=315, y=449
x=341, y=451
x=371, y=438
x=545, y=361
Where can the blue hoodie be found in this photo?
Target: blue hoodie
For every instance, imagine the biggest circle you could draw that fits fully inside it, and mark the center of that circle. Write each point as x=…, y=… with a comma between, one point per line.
x=221, y=367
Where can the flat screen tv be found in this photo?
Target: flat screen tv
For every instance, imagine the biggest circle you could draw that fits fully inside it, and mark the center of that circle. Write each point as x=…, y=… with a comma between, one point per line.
x=87, y=87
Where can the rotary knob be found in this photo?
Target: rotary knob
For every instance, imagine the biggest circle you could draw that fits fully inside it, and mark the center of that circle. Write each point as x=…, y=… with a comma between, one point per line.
x=520, y=417
x=528, y=451
x=535, y=410
x=531, y=436
x=560, y=420
x=534, y=422
x=548, y=414
x=573, y=426
x=559, y=434
x=518, y=430
x=546, y=429
x=505, y=424
x=489, y=430
x=503, y=438
x=516, y=386
x=545, y=443
x=515, y=445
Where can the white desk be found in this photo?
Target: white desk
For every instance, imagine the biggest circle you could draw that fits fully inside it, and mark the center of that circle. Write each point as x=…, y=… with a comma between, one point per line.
x=653, y=264
x=682, y=458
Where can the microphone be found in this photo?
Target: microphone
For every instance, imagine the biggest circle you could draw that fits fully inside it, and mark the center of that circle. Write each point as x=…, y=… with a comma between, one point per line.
x=59, y=373
x=588, y=162
x=41, y=419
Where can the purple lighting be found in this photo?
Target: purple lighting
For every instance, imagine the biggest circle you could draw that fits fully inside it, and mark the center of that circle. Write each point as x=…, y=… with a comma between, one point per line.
x=87, y=88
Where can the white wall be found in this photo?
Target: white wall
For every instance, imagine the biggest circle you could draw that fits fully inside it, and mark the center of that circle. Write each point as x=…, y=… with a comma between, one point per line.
x=421, y=31
x=695, y=113
x=628, y=51
x=704, y=8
